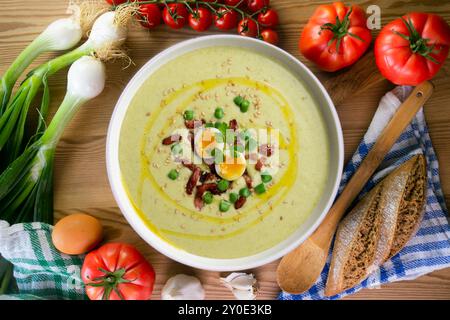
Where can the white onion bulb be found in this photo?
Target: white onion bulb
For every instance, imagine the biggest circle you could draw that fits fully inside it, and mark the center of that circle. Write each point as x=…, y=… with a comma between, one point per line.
x=86, y=78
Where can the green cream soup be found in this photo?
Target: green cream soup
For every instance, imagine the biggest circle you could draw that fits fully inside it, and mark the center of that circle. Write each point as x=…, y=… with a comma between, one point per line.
x=201, y=81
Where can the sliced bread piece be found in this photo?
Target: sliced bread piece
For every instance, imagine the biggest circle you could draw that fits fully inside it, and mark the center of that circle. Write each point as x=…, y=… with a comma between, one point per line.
x=355, y=244
x=363, y=242
x=411, y=208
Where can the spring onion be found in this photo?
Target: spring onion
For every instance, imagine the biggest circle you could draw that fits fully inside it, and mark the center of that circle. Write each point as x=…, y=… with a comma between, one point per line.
x=26, y=184
x=61, y=34
x=108, y=33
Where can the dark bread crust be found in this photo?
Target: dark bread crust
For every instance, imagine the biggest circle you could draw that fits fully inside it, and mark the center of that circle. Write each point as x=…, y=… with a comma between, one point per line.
x=411, y=206
x=362, y=253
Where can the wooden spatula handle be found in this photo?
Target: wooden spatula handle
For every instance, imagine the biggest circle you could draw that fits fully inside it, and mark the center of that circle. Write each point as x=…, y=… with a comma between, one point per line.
x=384, y=143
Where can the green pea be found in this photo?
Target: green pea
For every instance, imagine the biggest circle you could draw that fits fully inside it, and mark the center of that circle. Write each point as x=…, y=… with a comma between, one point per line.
x=233, y=197
x=266, y=178
x=223, y=185
x=208, y=197
x=244, y=106
x=224, y=205
x=218, y=113
x=189, y=115
x=238, y=100
x=173, y=174
x=260, y=188
x=245, y=192
x=176, y=148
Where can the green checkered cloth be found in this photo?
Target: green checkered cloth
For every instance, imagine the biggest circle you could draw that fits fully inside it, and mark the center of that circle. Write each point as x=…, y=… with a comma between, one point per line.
x=40, y=270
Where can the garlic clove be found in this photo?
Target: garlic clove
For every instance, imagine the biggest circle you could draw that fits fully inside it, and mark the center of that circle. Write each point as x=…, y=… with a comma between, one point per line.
x=242, y=285
x=244, y=294
x=183, y=287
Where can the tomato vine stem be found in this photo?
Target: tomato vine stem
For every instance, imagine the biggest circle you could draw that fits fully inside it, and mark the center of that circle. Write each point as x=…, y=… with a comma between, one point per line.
x=213, y=6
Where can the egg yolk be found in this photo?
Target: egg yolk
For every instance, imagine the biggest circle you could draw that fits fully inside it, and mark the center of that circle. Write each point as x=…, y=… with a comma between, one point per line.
x=208, y=138
x=232, y=168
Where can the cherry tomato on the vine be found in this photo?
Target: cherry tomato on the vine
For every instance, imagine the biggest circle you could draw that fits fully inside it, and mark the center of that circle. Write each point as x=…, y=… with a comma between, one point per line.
x=268, y=18
x=149, y=15
x=235, y=3
x=226, y=19
x=248, y=28
x=256, y=5
x=175, y=15
x=270, y=36
x=116, y=2
x=200, y=19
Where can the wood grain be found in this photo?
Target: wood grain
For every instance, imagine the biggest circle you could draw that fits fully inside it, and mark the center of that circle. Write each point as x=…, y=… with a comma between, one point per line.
x=81, y=183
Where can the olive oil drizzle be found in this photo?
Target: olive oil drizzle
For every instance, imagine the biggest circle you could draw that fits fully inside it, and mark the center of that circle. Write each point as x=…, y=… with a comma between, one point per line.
x=277, y=192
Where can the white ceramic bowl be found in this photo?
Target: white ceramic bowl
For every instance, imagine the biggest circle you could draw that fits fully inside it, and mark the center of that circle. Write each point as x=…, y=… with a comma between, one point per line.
x=323, y=102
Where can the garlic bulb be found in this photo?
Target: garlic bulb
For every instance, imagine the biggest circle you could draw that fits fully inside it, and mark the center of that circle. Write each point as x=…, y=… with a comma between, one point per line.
x=242, y=285
x=183, y=287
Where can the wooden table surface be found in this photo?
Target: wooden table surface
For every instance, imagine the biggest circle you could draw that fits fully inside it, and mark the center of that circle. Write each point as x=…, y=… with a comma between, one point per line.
x=81, y=183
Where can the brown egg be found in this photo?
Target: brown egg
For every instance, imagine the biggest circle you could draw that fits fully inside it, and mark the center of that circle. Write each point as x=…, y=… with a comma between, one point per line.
x=77, y=233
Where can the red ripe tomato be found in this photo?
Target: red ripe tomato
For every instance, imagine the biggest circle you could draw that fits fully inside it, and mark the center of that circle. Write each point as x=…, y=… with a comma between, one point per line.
x=412, y=49
x=200, y=19
x=116, y=2
x=270, y=36
x=235, y=3
x=248, y=28
x=268, y=18
x=335, y=36
x=175, y=15
x=226, y=19
x=117, y=271
x=150, y=15
x=256, y=5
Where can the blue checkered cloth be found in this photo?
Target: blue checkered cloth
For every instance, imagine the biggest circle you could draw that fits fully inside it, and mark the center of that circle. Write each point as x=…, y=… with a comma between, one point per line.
x=429, y=249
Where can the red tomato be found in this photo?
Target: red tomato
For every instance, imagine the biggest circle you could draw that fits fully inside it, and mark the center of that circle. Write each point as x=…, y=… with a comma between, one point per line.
x=226, y=19
x=235, y=3
x=270, y=36
x=248, y=28
x=175, y=15
x=256, y=5
x=150, y=15
x=335, y=36
x=200, y=19
x=116, y=2
x=117, y=271
x=268, y=18
x=412, y=49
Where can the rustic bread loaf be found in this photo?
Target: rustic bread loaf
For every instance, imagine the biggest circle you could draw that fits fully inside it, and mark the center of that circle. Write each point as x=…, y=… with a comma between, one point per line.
x=355, y=243
x=412, y=204
x=379, y=226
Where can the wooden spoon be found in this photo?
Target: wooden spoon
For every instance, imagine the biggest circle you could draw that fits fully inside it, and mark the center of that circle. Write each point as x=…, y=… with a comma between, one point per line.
x=299, y=269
